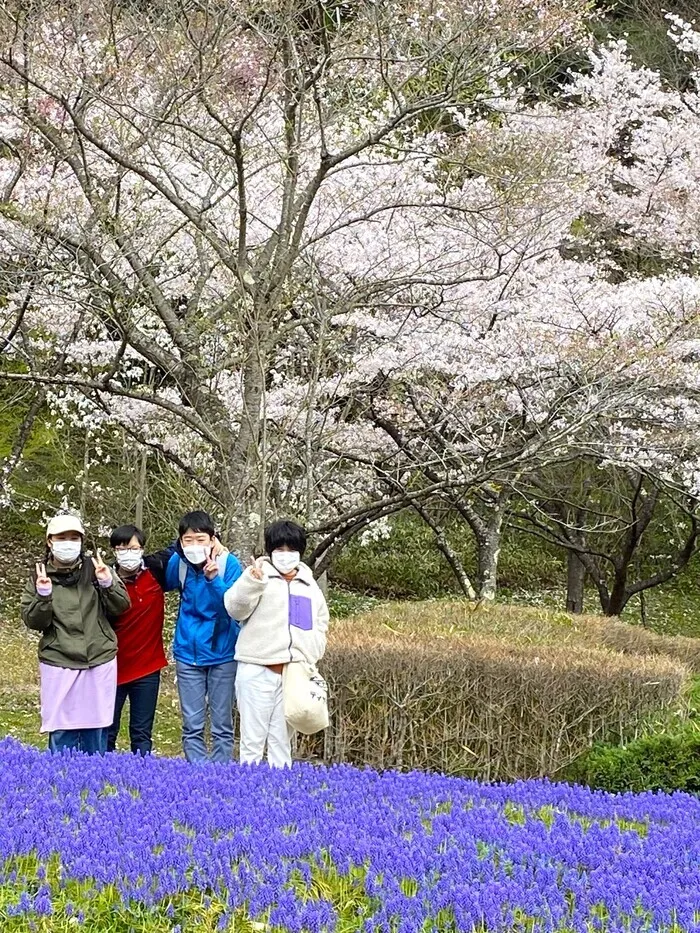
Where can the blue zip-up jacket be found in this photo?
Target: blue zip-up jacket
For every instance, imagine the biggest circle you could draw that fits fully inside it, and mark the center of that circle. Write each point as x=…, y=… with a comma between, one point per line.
x=205, y=634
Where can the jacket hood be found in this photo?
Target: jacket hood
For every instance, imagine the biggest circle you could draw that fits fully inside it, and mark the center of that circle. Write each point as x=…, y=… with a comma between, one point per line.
x=80, y=570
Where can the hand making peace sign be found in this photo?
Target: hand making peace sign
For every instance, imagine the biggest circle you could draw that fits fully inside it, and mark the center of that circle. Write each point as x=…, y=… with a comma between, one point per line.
x=103, y=574
x=211, y=568
x=255, y=568
x=44, y=586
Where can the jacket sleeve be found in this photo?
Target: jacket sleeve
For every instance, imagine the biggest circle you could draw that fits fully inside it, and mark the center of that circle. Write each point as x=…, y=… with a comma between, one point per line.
x=321, y=624
x=231, y=574
x=157, y=563
x=115, y=597
x=171, y=577
x=37, y=611
x=242, y=599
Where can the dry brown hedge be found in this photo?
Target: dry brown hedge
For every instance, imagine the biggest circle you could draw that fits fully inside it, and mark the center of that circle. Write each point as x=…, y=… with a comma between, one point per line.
x=503, y=694
x=631, y=639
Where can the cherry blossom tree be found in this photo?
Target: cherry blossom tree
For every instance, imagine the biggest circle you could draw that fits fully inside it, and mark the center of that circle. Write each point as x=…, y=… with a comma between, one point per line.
x=196, y=198
x=335, y=260
x=588, y=347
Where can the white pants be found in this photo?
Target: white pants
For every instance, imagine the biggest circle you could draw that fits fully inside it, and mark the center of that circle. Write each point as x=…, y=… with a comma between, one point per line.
x=261, y=709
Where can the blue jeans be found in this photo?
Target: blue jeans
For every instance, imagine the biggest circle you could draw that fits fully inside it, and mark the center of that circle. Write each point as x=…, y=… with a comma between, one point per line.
x=199, y=687
x=90, y=741
x=143, y=697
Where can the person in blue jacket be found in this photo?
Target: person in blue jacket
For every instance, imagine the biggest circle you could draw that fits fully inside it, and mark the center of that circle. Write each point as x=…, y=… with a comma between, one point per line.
x=205, y=637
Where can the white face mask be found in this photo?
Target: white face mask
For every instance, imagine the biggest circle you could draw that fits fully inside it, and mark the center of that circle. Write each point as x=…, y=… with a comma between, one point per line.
x=66, y=552
x=196, y=553
x=130, y=560
x=285, y=561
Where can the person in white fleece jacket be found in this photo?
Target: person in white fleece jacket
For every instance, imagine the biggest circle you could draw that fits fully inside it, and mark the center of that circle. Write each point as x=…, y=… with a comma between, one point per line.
x=283, y=617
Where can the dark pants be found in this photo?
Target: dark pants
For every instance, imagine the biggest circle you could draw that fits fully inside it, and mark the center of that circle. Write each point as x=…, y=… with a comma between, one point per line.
x=90, y=741
x=143, y=697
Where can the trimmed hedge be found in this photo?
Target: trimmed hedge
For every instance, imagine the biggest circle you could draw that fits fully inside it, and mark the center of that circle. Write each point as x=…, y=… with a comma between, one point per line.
x=633, y=639
x=434, y=687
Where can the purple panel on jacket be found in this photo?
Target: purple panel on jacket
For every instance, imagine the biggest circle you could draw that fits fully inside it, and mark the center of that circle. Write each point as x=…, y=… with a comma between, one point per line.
x=300, y=612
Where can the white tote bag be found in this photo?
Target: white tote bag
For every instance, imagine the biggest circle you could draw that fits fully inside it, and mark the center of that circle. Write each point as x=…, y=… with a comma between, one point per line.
x=305, y=695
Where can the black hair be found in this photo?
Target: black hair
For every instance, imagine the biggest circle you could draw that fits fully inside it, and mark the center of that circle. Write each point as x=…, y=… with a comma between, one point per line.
x=199, y=522
x=285, y=534
x=124, y=533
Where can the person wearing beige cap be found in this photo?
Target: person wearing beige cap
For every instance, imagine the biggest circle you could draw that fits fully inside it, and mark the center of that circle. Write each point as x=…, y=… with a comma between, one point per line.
x=69, y=599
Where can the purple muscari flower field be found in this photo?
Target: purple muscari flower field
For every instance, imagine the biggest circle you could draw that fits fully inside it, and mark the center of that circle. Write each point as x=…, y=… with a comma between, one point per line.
x=125, y=843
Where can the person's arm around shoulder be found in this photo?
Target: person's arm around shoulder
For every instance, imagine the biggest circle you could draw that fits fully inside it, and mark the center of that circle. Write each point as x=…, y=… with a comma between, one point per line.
x=36, y=604
x=116, y=598
x=241, y=599
x=171, y=578
x=158, y=563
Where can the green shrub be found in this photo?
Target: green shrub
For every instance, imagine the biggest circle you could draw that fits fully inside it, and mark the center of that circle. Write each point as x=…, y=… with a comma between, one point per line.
x=342, y=603
x=656, y=762
x=404, y=565
x=408, y=565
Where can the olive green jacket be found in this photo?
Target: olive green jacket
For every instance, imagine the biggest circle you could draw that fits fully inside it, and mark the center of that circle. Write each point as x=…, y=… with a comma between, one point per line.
x=73, y=619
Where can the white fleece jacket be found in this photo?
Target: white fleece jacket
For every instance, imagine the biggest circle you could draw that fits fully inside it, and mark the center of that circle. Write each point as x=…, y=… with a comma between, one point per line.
x=280, y=621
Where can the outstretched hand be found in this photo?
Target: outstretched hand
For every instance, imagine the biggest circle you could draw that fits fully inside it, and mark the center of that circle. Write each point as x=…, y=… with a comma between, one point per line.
x=103, y=574
x=44, y=586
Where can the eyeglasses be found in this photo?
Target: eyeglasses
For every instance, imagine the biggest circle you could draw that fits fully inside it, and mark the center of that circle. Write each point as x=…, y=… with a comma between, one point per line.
x=128, y=550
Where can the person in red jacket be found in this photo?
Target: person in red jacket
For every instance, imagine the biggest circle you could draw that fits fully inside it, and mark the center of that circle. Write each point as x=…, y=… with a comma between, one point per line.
x=140, y=653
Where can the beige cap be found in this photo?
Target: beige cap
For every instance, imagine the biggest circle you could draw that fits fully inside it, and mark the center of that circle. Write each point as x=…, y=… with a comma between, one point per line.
x=65, y=522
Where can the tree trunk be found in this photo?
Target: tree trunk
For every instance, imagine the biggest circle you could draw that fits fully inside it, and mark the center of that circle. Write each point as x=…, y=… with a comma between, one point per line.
x=489, y=549
x=322, y=581
x=448, y=552
x=576, y=576
x=241, y=470
x=85, y=477
x=455, y=563
x=619, y=596
x=488, y=542
x=12, y=462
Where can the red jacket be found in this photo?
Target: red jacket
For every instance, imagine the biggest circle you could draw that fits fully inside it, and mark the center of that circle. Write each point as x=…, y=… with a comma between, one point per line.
x=140, y=629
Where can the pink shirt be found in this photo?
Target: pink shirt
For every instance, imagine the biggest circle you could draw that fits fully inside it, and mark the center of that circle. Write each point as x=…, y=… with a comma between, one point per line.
x=81, y=699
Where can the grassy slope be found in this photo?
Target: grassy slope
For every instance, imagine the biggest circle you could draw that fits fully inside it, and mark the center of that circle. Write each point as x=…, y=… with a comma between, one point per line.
x=407, y=565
